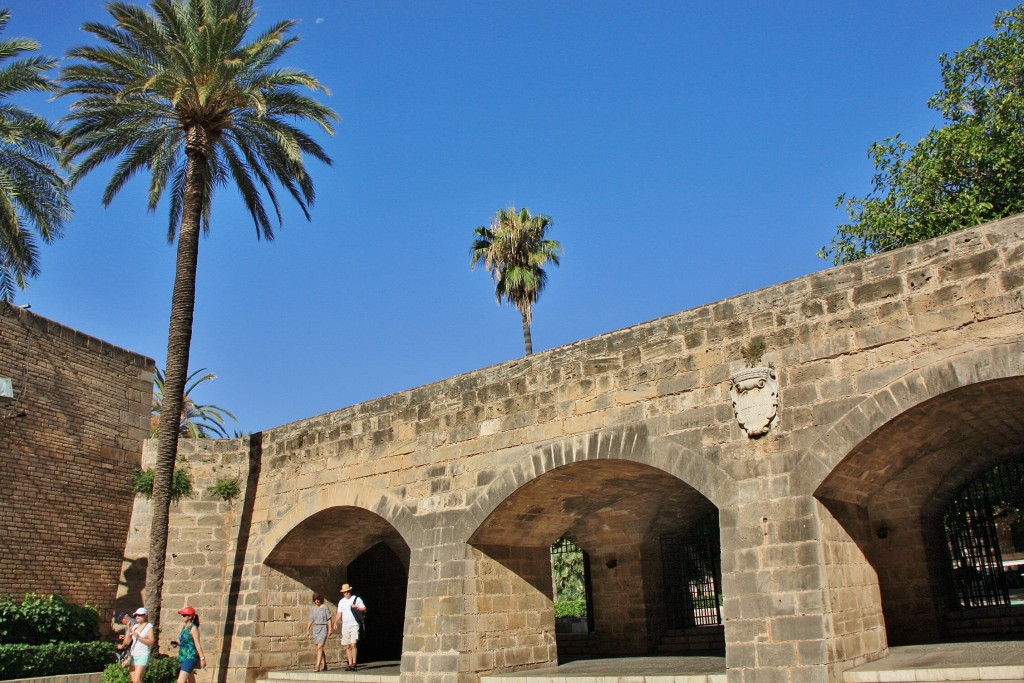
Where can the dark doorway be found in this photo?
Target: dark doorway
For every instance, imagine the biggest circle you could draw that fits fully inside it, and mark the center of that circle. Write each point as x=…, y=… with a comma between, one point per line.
x=380, y=579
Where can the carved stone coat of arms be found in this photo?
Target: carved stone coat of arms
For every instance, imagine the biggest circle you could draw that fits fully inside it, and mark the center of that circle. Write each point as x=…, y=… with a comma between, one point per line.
x=755, y=399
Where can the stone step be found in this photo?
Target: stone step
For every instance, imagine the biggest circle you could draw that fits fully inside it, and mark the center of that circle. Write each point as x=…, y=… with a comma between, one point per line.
x=330, y=676
x=590, y=678
x=965, y=674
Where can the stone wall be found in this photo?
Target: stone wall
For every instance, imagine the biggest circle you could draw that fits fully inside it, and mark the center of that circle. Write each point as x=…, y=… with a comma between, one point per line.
x=621, y=439
x=67, y=446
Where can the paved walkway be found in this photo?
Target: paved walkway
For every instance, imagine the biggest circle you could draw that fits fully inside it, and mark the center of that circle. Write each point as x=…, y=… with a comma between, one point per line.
x=993, y=662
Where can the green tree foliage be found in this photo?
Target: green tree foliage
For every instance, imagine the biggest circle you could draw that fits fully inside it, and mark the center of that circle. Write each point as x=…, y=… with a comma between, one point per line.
x=969, y=171
x=198, y=420
x=569, y=579
x=177, y=91
x=515, y=249
x=33, y=193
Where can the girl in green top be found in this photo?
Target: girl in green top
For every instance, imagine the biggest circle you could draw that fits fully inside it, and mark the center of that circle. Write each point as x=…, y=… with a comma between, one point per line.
x=190, y=650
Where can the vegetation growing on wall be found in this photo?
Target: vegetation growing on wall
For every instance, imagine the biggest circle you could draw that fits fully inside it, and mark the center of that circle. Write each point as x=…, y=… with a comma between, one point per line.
x=181, y=483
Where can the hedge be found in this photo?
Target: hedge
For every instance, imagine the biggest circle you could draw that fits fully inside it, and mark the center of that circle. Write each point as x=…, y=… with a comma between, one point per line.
x=41, y=619
x=55, y=659
x=571, y=608
x=162, y=669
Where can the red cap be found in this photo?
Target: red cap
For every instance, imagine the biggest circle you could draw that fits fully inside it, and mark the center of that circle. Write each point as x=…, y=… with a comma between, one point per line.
x=188, y=612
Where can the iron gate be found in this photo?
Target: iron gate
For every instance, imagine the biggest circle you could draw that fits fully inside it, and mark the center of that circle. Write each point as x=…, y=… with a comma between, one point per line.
x=979, y=578
x=692, y=569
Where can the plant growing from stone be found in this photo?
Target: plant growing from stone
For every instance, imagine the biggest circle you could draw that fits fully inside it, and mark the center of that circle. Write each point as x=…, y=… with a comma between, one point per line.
x=227, y=488
x=181, y=483
x=753, y=352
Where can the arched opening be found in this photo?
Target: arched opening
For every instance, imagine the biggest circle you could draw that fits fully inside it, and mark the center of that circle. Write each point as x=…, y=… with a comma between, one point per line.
x=341, y=544
x=886, y=504
x=618, y=514
x=381, y=578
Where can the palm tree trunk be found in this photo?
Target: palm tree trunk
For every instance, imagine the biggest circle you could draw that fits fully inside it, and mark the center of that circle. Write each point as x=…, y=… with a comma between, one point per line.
x=527, y=337
x=179, y=341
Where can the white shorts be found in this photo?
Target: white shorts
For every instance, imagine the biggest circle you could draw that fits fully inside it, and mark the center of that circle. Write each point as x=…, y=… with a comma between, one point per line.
x=349, y=634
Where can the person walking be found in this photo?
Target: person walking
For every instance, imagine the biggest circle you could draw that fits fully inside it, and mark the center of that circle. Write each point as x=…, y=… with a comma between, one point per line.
x=142, y=646
x=123, y=627
x=320, y=626
x=349, y=624
x=190, y=649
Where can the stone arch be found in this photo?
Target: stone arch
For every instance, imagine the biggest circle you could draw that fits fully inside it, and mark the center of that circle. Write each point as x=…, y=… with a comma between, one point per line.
x=898, y=458
x=378, y=501
x=630, y=442
x=620, y=495
x=896, y=398
x=351, y=533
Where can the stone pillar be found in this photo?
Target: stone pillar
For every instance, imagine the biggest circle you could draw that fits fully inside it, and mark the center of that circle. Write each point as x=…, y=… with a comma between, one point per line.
x=509, y=619
x=434, y=609
x=779, y=593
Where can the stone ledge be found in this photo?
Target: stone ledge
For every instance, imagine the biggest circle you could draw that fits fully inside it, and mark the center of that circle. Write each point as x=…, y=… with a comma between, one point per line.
x=95, y=677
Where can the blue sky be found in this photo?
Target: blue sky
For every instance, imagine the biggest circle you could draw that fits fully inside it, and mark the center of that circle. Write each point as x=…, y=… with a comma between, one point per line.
x=687, y=152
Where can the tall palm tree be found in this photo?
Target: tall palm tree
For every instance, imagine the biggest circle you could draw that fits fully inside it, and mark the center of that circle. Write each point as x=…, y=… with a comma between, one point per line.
x=198, y=420
x=175, y=91
x=33, y=194
x=515, y=249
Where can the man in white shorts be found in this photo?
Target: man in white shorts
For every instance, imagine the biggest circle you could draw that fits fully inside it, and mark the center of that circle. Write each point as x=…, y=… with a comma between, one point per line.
x=347, y=623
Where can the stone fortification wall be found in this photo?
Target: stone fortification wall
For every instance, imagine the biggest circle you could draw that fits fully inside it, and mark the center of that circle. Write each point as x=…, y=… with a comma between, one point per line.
x=67, y=445
x=617, y=440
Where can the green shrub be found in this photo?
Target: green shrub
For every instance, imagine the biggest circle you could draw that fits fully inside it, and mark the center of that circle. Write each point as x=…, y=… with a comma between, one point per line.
x=181, y=483
x=116, y=673
x=161, y=669
x=55, y=659
x=571, y=608
x=41, y=619
x=226, y=489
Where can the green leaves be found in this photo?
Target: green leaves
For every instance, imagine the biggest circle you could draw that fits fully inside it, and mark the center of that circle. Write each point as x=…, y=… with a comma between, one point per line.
x=40, y=619
x=160, y=670
x=227, y=489
x=53, y=659
x=968, y=172
x=181, y=483
x=34, y=199
x=515, y=249
x=198, y=420
x=179, y=81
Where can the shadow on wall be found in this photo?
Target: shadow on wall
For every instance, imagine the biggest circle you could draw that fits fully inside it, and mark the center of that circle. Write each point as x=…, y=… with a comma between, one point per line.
x=241, y=548
x=134, y=584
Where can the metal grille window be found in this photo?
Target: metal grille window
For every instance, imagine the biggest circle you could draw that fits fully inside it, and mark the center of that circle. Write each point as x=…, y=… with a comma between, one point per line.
x=979, y=577
x=570, y=575
x=692, y=568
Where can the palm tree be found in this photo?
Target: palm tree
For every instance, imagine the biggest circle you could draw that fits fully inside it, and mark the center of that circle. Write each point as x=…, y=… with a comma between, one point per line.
x=514, y=250
x=175, y=91
x=198, y=420
x=33, y=194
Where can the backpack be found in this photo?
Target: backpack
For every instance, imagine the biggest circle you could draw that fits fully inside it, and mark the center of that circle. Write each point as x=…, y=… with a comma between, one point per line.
x=360, y=617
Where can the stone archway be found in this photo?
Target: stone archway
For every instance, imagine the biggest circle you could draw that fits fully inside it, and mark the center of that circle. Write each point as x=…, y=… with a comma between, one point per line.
x=337, y=535
x=615, y=494
x=889, y=492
